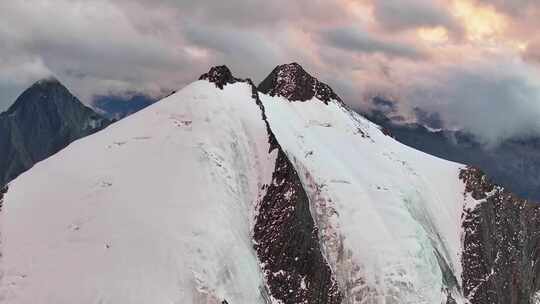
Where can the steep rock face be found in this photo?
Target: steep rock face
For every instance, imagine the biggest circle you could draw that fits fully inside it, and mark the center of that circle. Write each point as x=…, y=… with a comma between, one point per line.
x=3, y=191
x=43, y=120
x=293, y=83
x=287, y=243
x=501, y=244
x=285, y=236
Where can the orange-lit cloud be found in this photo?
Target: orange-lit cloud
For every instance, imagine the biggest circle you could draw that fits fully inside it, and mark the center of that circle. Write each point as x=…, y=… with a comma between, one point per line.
x=482, y=23
x=436, y=35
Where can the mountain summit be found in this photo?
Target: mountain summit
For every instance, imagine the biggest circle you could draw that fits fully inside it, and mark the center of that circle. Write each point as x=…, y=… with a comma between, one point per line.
x=44, y=119
x=220, y=76
x=293, y=83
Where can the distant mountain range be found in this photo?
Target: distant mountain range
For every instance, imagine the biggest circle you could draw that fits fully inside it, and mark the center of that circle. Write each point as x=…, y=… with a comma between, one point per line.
x=44, y=119
x=116, y=107
x=514, y=163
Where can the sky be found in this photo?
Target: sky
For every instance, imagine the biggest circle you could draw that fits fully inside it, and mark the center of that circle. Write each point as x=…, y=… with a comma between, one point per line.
x=473, y=63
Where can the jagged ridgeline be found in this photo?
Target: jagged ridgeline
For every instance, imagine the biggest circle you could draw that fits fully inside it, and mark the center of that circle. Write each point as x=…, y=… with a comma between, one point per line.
x=229, y=193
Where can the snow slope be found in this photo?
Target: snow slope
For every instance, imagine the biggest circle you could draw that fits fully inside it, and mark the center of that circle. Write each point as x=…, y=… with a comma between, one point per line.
x=390, y=216
x=156, y=209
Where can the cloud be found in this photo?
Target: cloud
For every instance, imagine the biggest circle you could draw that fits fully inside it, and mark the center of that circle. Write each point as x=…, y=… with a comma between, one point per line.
x=513, y=7
x=440, y=57
x=355, y=40
x=253, y=14
x=88, y=44
x=410, y=14
x=494, y=102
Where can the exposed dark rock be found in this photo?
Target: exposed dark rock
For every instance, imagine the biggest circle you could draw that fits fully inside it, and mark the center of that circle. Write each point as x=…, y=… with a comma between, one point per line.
x=220, y=76
x=501, y=244
x=287, y=243
x=386, y=132
x=43, y=120
x=286, y=238
x=3, y=191
x=292, y=82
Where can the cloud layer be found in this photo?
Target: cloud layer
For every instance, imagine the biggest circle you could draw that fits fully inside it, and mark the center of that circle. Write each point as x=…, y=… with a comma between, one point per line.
x=474, y=63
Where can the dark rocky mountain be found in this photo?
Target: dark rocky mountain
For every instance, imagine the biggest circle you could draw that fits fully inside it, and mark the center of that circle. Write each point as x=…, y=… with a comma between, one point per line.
x=292, y=82
x=501, y=244
x=514, y=163
x=116, y=107
x=44, y=119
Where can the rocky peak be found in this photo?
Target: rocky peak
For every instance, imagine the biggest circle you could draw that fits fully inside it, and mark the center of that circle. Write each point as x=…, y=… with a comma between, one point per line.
x=44, y=119
x=500, y=243
x=42, y=91
x=292, y=82
x=220, y=76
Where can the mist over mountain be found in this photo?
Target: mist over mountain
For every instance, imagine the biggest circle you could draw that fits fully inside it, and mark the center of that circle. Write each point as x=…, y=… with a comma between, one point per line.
x=514, y=162
x=119, y=106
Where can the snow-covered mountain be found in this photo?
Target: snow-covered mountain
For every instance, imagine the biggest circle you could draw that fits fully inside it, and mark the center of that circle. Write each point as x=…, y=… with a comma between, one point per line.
x=228, y=193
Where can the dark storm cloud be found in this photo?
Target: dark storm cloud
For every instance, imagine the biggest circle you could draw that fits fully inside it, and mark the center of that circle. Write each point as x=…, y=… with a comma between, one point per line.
x=402, y=15
x=355, y=40
x=259, y=13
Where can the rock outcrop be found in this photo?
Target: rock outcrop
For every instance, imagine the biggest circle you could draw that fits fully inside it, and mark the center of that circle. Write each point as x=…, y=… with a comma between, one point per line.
x=501, y=244
x=293, y=83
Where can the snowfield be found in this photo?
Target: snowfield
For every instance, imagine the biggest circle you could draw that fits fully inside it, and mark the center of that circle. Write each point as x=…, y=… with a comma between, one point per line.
x=156, y=209
x=160, y=207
